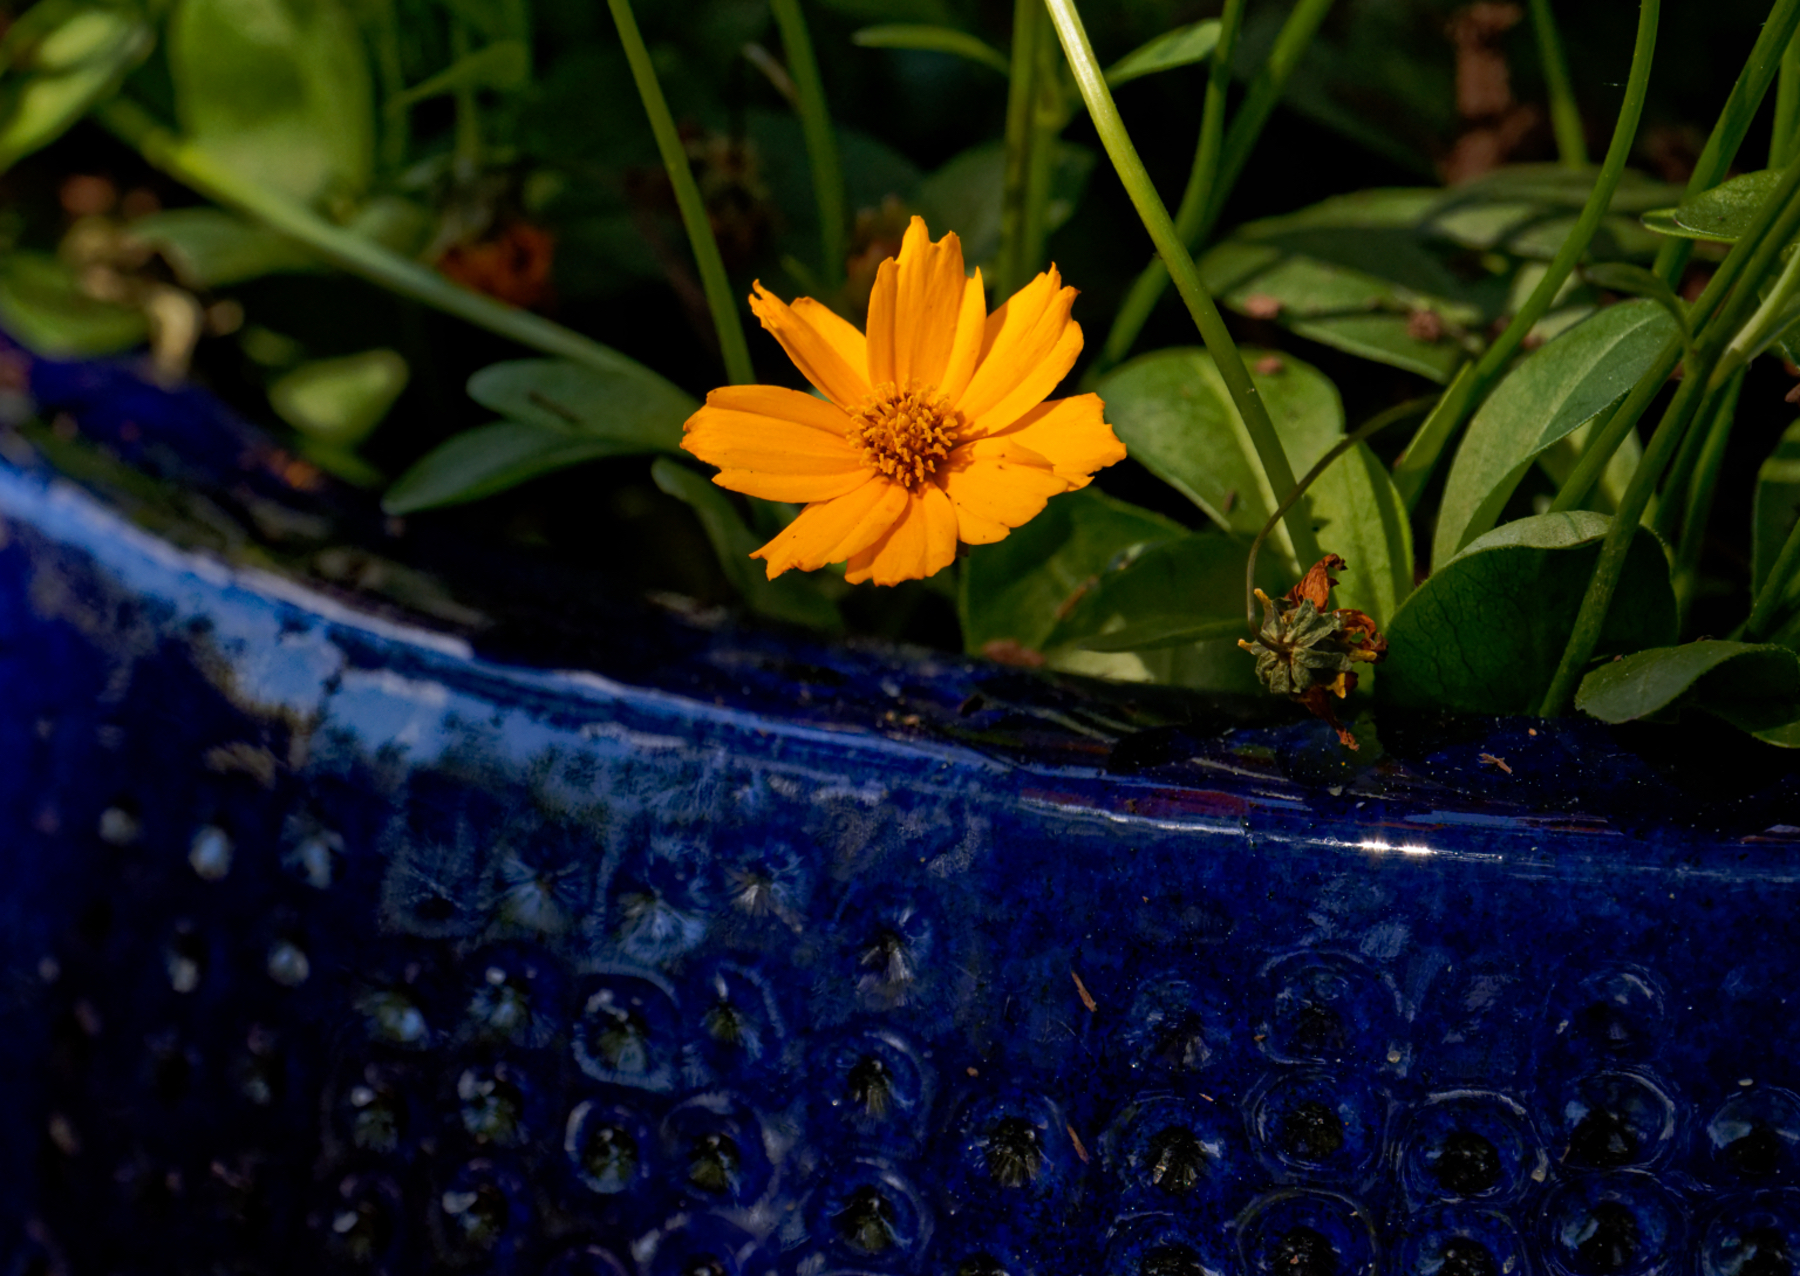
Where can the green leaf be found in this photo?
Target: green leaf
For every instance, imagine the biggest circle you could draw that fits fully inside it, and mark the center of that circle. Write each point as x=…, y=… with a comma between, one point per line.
x=503, y=65
x=1362, y=519
x=1551, y=393
x=338, y=401
x=1635, y=281
x=278, y=90
x=646, y=414
x=1485, y=632
x=1529, y=209
x=964, y=195
x=1774, y=506
x=932, y=39
x=793, y=597
x=61, y=57
x=1180, y=47
x=42, y=305
x=493, y=458
x=211, y=248
x=1753, y=686
x=1014, y=589
x=1720, y=215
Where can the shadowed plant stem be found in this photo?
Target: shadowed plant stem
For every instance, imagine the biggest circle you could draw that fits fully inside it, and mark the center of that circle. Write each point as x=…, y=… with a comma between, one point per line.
x=1022, y=140
x=199, y=171
x=1565, y=115
x=821, y=139
x=1251, y=409
x=726, y=321
x=1203, y=202
x=1698, y=506
x=1734, y=120
x=1784, y=136
x=1413, y=469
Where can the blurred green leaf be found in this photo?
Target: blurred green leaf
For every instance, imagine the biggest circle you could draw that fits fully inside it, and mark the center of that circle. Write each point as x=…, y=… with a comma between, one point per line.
x=964, y=195
x=491, y=459
x=42, y=305
x=60, y=57
x=1485, y=631
x=211, y=248
x=933, y=39
x=1362, y=519
x=504, y=65
x=1720, y=215
x=559, y=394
x=1753, y=686
x=1551, y=393
x=1181, y=47
x=338, y=401
x=1014, y=589
x=278, y=90
x=793, y=597
x=1774, y=505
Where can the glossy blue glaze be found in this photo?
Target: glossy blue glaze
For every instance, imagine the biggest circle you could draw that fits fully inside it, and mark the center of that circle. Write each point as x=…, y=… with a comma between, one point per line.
x=335, y=943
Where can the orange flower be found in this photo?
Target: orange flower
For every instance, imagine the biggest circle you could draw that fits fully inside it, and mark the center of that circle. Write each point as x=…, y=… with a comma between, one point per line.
x=933, y=429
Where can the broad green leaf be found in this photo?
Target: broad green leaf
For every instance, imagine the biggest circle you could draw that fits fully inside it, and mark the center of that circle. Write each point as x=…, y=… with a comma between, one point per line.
x=211, y=248
x=1551, y=393
x=1529, y=209
x=793, y=597
x=502, y=65
x=278, y=90
x=338, y=401
x=1180, y=47
x=1720, y=215
x=1774, y=506
x=933, y=39
x=964, y=195
x=1635, y=281
x=42, y=305
x=644, y=412
x=60, y=57
x=1362, y=519
x=1753, y=686
x=1485, y=632
x=491, y=459
x=1017, y=589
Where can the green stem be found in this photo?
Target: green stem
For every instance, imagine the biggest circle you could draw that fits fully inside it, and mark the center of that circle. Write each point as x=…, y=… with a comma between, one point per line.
x=1088, y=77
x=1672, y=500
x=1784, y=136
x=1767, y=610
x=1698, y=513
x=467, y=154
x=1771, y=316
x=1776, y=231
x=1413, y=469
x=395, y=125
x=1733, y=122
x=821, y=139
x=1565, y=115
x=1204, y=174
x=1021, y=139
x=196, y=169
x=1049, y=114
x=726, y=321
x=1195, y=220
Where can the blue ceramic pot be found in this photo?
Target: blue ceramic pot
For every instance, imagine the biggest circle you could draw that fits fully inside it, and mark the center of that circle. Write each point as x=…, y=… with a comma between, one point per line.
x=335, y=942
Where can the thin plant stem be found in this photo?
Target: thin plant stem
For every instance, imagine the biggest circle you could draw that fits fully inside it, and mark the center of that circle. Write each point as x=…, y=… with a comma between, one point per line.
x=821, y=138
x=199, y=171
x=1698, y=512
x=1734, y=121
x=726, y=321
x=1021, y=139
x=1195, y=219
x=1672, y=500
x=1784, y=136
x=1584, y=637
x=1413, y=469
x=1772, y=315
x=1565, y=115
x=1088, y=77
x=395, y=125
x=1204, y=174
x=1374, y=425
x=467, y=154
x=1767, y=610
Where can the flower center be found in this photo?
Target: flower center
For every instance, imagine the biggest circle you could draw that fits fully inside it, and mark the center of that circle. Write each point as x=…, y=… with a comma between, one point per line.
x=905, y=431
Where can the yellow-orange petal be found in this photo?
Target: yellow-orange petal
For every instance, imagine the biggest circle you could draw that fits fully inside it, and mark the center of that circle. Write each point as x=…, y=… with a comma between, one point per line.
x=831, y=531
x=1029, y=341
x=996, y=485
x=778, y=401
x=884, y=301
x=799, y=488
x=819, y=361
x=922, y=543
x=762, y=444
x=1072, y=434
x=844, y=337
x=928, y=290
x=971, y=333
